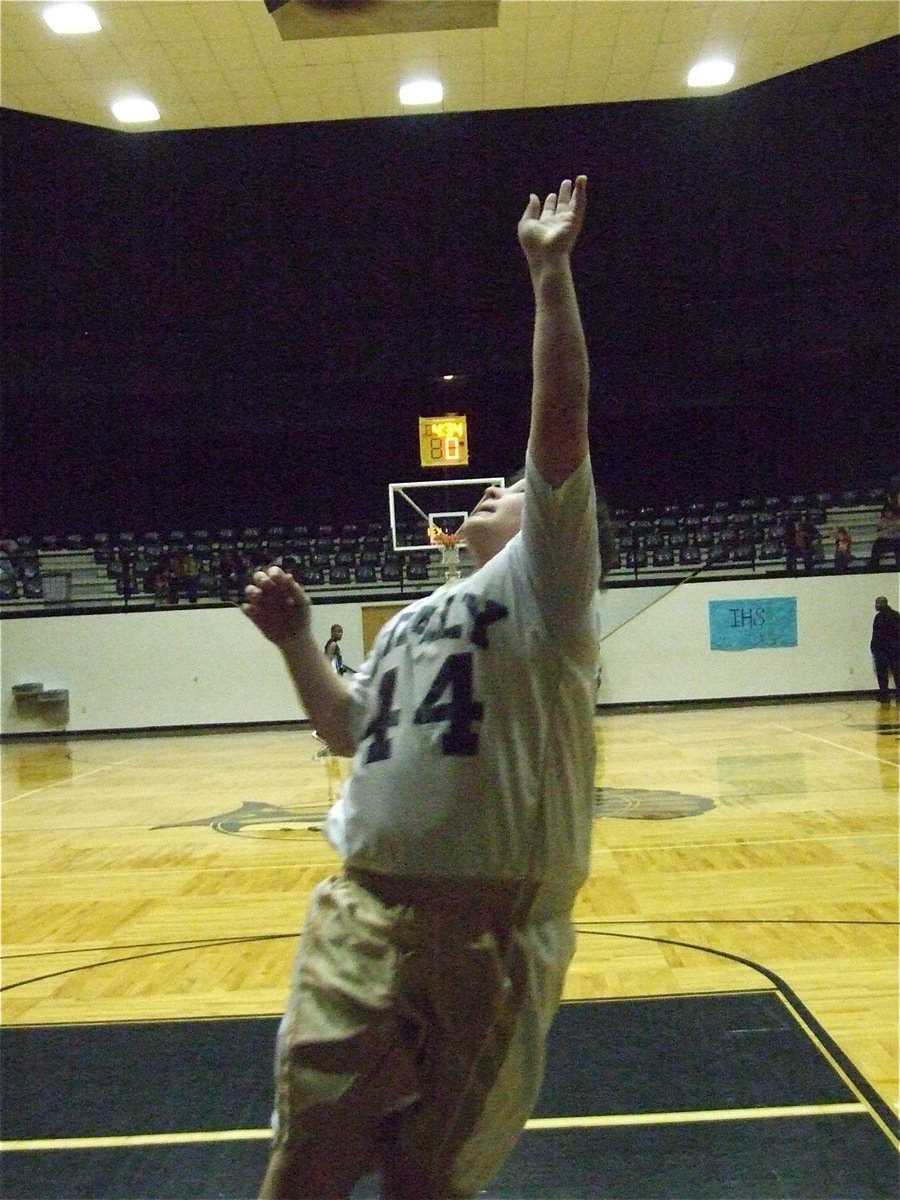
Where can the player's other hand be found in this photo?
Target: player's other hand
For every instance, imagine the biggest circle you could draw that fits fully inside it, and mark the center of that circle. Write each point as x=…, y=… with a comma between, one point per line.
x=277, y=605
x=550, y=230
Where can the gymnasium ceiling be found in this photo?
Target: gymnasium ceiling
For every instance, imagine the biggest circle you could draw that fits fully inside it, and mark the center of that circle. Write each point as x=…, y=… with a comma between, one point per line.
x=219, y=63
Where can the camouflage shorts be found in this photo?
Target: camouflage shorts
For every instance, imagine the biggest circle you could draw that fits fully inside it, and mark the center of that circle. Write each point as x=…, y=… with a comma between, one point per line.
x=409, y=1045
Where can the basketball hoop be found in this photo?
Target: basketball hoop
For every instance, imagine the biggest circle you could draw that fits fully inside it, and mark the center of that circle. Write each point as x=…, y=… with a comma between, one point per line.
x=448, y=544
x=440, y=537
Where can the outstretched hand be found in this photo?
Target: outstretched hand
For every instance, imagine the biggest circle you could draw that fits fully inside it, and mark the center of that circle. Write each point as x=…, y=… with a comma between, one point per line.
x=551, y=230
x=277, y=605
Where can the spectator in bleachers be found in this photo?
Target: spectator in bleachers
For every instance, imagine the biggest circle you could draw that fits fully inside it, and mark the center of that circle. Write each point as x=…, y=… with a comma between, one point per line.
x=190, y=575
x=174, y=576
x=158, y=581
x=892, y=496
x=800, y=536
x=225, y=569
x=843, y=553
x=126, y=560
x=887, y=537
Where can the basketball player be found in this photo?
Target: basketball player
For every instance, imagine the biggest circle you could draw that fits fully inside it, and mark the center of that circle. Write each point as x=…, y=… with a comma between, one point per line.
x=333, y=649
x=429, y=970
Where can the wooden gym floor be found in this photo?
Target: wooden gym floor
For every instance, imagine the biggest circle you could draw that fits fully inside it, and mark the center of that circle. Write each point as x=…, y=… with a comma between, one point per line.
x=735, y=978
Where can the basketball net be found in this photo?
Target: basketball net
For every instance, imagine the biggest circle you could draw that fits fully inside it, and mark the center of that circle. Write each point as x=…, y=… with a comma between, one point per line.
x=448, y=544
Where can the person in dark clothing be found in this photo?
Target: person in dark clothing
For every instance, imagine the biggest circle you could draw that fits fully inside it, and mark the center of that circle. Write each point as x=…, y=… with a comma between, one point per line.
x=885, y=647
x=887, y=538
x=333, y=650
x=843, y=553
x=800, y=537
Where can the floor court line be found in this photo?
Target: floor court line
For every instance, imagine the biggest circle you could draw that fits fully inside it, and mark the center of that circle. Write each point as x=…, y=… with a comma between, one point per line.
x=46, y=787
x=585, y=924
x=837, y=746
x=536, y=1124
x=727, y=843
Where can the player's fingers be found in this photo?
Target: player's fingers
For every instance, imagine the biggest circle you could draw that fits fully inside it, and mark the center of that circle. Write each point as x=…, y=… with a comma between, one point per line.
x=270, y=578
x=284, y=581
x=532, y=208
x=549, y=205
x=565, y=191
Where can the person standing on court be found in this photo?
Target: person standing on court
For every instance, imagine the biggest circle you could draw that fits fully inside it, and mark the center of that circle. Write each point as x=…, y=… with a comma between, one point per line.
x=333, y=649
x=885, y=647
x=429, y=970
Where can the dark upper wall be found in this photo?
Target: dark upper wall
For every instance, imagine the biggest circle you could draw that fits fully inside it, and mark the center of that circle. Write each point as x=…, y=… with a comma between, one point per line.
x=245, y=324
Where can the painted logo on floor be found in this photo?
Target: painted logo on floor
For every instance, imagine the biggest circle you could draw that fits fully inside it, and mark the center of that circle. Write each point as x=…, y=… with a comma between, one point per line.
x=640, y=804
x=257, y=819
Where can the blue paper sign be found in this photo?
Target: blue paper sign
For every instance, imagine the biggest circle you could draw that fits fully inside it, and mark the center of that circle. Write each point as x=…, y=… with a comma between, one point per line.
x=753, y=624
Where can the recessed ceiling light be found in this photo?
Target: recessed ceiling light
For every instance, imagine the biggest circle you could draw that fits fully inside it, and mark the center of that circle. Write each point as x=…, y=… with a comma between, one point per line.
x=133, y=110
x=711, y=73
x=421, y=91
x=71, y=18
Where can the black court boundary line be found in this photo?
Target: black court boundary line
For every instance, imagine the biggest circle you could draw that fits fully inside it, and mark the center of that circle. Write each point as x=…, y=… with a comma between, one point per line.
x=581, y=925
x=880, y=1109
x=108, y=962
x=183, y=944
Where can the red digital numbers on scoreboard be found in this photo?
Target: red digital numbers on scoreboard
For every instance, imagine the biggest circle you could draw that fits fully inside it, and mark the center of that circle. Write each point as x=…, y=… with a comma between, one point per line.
x=443, y=441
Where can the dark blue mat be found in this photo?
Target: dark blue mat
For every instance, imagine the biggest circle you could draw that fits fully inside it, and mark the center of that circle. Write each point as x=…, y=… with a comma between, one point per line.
x=615, y=1059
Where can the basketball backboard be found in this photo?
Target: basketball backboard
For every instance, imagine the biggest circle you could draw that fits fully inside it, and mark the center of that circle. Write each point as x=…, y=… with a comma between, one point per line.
x=418, y=504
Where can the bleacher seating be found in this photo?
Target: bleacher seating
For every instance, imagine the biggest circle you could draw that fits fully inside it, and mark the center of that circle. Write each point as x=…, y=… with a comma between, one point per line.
x=32, y=583
x=661, y=542
x=771, y=550
x=417, y=569
x=9, y=585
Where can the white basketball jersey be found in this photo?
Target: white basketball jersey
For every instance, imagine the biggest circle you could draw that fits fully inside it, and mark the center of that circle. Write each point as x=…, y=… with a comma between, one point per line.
x=474, y=712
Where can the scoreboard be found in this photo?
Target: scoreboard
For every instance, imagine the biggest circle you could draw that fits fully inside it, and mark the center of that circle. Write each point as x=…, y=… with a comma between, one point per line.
x=443, y=441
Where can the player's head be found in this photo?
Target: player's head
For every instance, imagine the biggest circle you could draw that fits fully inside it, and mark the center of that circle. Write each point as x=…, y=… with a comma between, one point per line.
x=495, y=519
x=337, y=632
x=881, y=602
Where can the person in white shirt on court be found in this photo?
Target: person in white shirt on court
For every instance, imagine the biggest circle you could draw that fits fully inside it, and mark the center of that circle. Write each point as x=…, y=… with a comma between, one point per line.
x=429, y=970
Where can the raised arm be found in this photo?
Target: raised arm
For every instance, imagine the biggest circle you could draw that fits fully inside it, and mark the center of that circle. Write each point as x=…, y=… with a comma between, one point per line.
x=280, y=609
x=558, y=437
